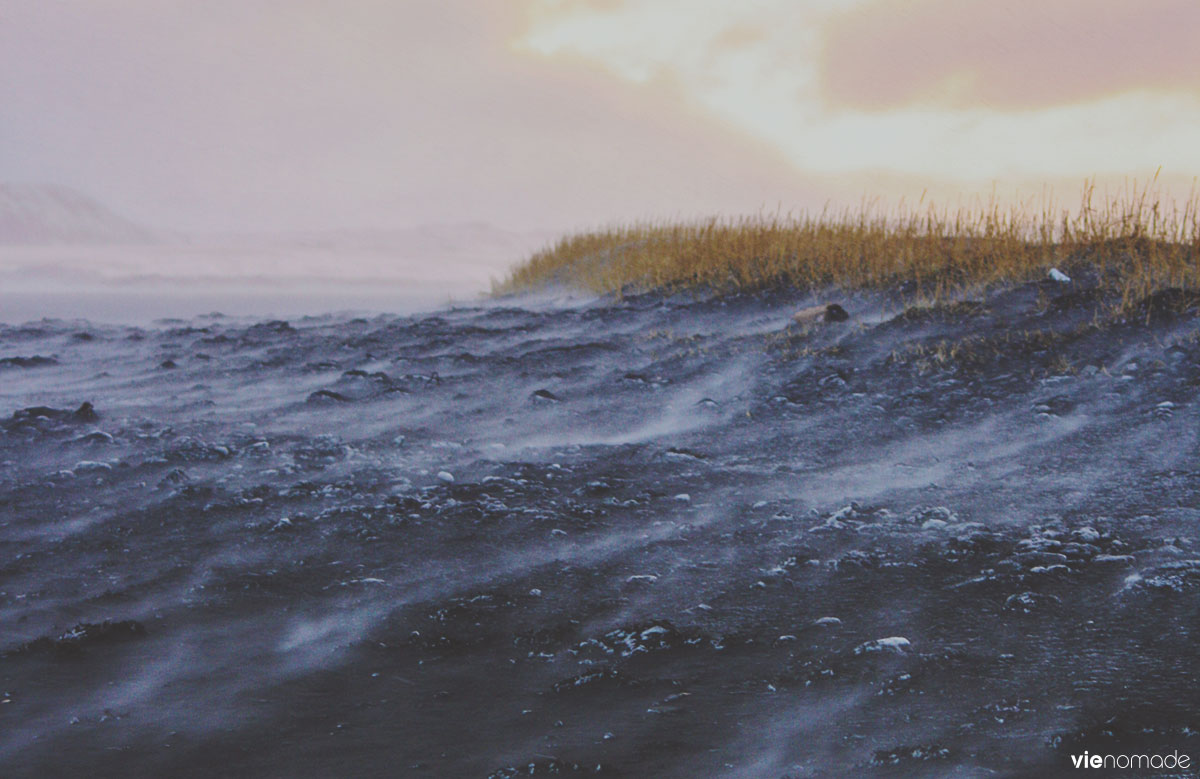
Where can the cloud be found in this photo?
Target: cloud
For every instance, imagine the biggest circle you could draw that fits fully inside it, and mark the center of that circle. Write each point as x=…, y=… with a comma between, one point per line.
x=1008, y=54
x=939, y=90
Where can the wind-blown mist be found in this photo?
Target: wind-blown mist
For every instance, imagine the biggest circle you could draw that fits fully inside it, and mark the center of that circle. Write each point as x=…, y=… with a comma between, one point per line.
x=661, y=536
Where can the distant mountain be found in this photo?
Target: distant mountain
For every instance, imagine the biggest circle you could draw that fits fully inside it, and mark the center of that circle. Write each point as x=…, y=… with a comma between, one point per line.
x=40, y=214
x=478, y=240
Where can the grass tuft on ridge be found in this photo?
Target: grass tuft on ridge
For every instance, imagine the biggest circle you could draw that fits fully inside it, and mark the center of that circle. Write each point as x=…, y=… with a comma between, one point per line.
x=1138, y=242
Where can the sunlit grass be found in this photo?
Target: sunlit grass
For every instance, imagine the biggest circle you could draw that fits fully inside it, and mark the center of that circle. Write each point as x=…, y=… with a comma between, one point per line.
x=1138, y=240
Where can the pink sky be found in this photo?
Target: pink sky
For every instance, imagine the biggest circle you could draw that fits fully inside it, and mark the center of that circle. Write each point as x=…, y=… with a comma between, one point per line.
x=1010, y=54
x=307, y=114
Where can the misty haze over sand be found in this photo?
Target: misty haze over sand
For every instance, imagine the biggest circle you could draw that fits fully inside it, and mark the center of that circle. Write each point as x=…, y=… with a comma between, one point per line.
x=64, y=254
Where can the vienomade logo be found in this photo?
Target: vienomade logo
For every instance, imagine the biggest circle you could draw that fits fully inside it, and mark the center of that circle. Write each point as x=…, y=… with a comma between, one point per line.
x=1173, y=760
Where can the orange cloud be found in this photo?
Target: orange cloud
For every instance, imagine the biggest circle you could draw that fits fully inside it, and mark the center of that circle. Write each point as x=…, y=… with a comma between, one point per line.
x=1008, y=53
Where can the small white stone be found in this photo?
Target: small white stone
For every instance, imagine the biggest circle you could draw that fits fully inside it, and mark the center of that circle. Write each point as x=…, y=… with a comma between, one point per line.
x=891, y=644
x=445, y=476
x=1113, y=559
x=91, y=465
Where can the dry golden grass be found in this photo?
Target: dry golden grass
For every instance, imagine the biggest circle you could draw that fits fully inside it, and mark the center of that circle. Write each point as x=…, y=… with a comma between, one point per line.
x=1138, y=240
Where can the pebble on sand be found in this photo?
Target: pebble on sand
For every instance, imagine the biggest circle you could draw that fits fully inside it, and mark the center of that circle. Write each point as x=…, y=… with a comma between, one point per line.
x=890, y=644
x=830, y=312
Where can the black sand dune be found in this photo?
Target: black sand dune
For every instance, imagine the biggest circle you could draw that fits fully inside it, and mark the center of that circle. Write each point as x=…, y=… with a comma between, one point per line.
x=655, y=537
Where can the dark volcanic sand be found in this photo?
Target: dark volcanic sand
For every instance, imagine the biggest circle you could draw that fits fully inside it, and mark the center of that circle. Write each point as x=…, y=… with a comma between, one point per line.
x=241, y=560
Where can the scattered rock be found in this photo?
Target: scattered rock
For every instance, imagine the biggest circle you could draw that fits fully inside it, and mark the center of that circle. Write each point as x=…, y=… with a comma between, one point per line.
x=37, y=361
x=897, y=644
x=1058, y=405
x=1030, y=602
x=933, y=517
x=174, y=478
x=552, y=767
x=30, y=416
x=852, y=516
x=84, y=635
x=95, y=437
x=626, y=642
x=1039, y=558
x=91, y=466
x=191, y=450
x=257, y=449
x=590, y=679
x=326, y=396
x=835, y=313
x=909, y=754
x=830, y=312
